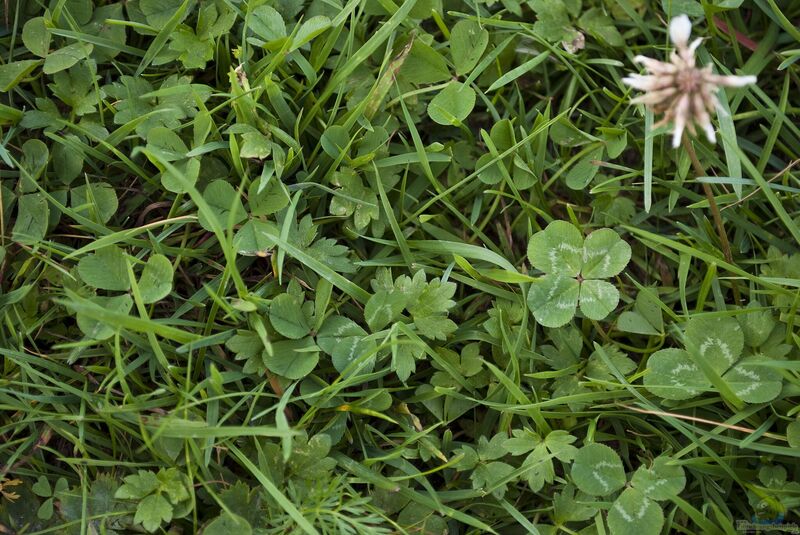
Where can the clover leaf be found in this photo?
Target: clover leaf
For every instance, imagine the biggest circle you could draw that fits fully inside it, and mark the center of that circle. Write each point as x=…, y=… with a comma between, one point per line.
x=573, y=267
x=716, y=345
x=634, y=512
x=597, y=470
x=660, y=480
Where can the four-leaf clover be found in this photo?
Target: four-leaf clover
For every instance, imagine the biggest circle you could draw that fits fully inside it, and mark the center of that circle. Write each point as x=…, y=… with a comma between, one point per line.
x=572, y=267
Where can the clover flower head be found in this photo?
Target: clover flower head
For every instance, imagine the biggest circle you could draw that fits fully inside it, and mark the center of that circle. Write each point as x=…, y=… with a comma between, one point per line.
x=680, y=90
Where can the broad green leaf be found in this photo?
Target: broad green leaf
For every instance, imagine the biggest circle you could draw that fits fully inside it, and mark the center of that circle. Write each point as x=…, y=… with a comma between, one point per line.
x=772, y=476
x=424, y=65
x=597, y=299
x=438, y=327
x=152, y=511
x=42, y=487
x=423, y=9
x=310, y=29
x=267, y=196
x=96, y=201
x=35, y=156
x=228, y=524
x=452, y=105
x=383, y=308
x=598, y=470
x=633, y=512
x=719, y=341
x=522, y=174
x=646, y=317
x=673, y=375
x=293, y=359
x=616, y=139
x=557, y=249
x=32, y=218
x=189, y=169
x=101, y=330
x=174, y=484
x=335, y=140
x=350, y=349
x=601, y=26
x=753, y=382
x=156, y=280
x=159, y=12
x=553, y=299
x=673, y=8
x=45, y=511
x=659, y=480
x=492, y=174
x=106, y=269
x=267, y=24
x=605, y=254
x=80, y=10
x=13, y=73
x=584, y=170
x=793, y=434
x=467, y=44
x=248, y=347
x=756, y=325
x=137, y=486
x=569, y=506
x=634, y=322
x=192, y=51
x=36, y=37
x=166, y=144
x=334, y=330
x=252, y=239
x=222, y=199
x=491, y=476
x=113, y=35
x=66, y=57
x=559, y=442
x=597, y=368
x=286, y=316
x=68, y=161
x=255, y=145
x=433, y=298
x=552, y=20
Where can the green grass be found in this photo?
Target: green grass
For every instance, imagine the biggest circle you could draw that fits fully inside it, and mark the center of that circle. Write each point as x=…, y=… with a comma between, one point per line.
x=265, y=268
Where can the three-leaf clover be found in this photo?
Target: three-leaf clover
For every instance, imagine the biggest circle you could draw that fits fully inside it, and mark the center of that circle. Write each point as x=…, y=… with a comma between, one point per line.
x=598, y=471
x=713, y=347
x=573, y=267
x=43, y=489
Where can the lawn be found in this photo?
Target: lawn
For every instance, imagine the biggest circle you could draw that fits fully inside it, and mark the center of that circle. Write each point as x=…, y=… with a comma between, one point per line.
x=399, y=266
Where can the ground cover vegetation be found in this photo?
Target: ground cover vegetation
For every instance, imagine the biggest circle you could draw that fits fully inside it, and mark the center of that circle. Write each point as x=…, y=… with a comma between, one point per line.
x=398, y=266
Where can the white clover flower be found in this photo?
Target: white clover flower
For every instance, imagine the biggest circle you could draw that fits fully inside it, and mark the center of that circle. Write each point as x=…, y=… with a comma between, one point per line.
x=683, y=92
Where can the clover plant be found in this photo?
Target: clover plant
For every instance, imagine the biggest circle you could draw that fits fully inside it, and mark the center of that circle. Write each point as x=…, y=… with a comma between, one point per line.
x=573, y=271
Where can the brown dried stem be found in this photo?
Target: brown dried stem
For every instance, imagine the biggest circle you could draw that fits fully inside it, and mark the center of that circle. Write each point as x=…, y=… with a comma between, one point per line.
x=715, y=213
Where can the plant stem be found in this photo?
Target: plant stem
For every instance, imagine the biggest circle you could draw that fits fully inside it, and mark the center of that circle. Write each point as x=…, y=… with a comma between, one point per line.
x=715, y=213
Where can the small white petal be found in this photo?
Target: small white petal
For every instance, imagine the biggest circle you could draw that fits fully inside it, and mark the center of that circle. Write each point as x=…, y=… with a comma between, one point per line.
x=654, y=97
x=681, y=110
x=676, y=136
x=703, y=118
x=642, y=83
x=695, y=44
x=710, y=134
x=655, y=66
x=734, y=81
x=680, y=28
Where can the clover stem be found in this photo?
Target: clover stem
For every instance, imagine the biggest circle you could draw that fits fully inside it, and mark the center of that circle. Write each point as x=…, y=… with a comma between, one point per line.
x=715, y=213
